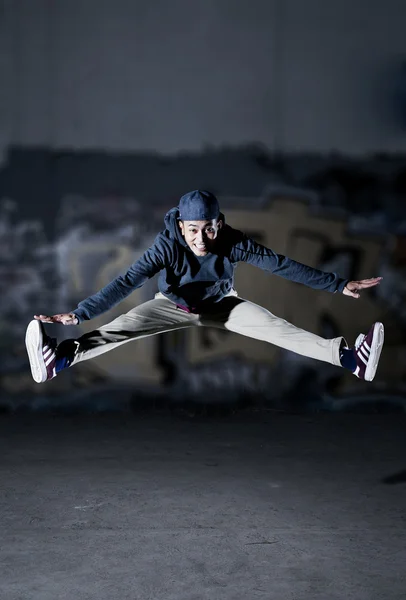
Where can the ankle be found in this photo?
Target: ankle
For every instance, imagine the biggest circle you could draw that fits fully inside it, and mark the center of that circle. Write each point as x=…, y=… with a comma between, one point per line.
x=65, y=354
x=348, y=359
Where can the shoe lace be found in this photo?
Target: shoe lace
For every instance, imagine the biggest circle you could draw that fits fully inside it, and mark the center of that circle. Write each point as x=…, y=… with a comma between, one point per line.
x=359, y=340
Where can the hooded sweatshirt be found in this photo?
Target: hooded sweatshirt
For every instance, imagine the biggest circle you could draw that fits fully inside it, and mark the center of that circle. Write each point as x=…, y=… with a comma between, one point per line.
x=200, y=282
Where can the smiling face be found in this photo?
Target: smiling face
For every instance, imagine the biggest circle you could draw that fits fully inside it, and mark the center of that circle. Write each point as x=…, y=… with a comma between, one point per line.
x=200, y=235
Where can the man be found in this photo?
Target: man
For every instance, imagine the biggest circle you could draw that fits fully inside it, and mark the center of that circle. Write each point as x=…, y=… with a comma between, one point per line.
x=196, y=255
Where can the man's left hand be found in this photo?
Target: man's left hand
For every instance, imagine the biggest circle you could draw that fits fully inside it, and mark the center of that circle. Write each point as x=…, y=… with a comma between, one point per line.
x=353, y=288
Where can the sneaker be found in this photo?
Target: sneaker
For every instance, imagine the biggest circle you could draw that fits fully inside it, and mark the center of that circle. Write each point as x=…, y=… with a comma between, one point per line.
x=368, y=350
x=41, y=352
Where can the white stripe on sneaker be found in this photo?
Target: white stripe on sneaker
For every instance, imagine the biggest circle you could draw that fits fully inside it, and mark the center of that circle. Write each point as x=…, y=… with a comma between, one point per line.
x=367, y=347
x=364, y=360
x=365, y=352
x=47, y=353
x=50, y=359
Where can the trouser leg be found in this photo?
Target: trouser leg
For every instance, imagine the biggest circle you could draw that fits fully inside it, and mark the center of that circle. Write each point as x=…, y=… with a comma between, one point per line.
x=249, y=319
x=150, y=318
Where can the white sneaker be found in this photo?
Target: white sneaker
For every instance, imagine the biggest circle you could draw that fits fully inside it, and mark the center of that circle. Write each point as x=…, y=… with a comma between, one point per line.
x=367, y=351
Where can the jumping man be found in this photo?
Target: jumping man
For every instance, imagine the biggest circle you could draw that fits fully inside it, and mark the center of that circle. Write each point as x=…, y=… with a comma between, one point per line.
x=196, y=255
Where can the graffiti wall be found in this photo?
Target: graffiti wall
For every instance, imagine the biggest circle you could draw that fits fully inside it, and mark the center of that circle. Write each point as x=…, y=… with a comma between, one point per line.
x=96, y=237
x=290, y=227
x=99, y=239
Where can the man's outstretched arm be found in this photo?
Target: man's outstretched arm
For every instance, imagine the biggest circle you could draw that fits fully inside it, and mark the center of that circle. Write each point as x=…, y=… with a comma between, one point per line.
x=247, y=250
x=152, y=261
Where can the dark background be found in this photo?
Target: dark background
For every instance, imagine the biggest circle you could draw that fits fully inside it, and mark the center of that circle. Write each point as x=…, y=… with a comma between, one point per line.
x=198, y=465
x=111, y=111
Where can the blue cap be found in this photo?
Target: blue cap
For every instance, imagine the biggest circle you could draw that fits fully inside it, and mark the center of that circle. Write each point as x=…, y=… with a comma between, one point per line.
x=199, y=205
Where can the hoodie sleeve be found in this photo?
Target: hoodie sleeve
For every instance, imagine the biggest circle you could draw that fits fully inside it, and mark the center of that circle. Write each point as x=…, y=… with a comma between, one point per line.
x=247, y=250
x=151, y=262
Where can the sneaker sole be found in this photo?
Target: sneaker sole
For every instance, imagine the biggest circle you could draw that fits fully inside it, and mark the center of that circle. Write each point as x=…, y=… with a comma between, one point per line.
x=376, y=349
x=34, y=342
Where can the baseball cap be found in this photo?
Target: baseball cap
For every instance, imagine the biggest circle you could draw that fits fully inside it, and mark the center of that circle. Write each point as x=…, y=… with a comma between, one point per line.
x=199, y=205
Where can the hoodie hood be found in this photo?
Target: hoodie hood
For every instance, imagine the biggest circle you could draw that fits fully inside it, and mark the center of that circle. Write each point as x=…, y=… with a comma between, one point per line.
x=171, y=224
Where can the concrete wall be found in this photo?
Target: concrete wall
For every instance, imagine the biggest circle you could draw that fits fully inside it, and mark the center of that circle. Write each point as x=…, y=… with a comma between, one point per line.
x=100, y=238
x=173, y=76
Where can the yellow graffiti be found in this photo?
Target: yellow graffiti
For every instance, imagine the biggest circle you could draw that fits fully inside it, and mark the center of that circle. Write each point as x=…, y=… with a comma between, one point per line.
x=289, y=227
x=133, y=361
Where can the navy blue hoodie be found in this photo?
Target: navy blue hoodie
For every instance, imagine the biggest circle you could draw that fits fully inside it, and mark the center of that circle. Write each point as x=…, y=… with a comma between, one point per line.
x=199, y=282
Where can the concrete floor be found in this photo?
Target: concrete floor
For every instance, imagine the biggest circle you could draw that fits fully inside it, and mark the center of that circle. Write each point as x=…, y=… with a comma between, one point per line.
x=158, y=507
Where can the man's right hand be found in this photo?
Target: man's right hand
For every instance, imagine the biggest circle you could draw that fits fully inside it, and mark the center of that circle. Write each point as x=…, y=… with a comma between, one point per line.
x=64, y=319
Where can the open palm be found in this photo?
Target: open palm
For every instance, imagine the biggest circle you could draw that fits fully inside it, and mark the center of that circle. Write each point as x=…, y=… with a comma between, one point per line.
x=353, y=288
x=62, y=318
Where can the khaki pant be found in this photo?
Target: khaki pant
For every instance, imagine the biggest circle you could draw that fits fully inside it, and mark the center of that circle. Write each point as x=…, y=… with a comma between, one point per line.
x=232, y=313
